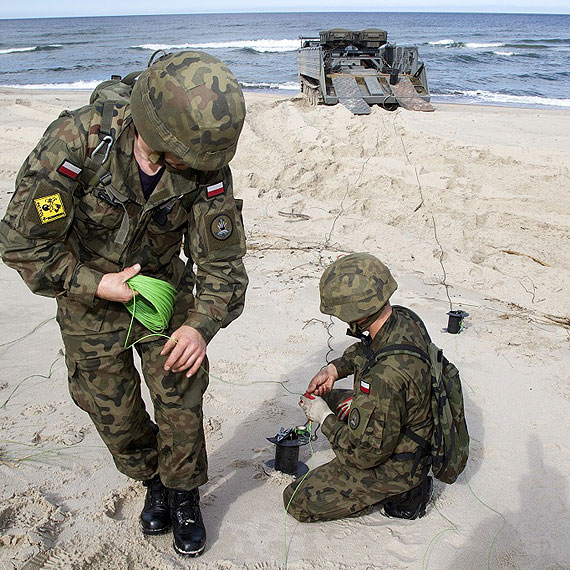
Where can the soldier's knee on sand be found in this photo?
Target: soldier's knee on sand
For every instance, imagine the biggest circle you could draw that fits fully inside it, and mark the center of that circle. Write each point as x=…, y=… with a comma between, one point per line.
x=292, y=504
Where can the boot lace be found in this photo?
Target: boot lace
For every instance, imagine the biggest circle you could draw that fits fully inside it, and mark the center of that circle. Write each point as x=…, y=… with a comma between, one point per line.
x=187, y=510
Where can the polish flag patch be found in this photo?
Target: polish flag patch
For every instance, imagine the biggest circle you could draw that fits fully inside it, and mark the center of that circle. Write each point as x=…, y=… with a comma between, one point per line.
x=69, y=170
x=215, y=190
x=364, y=387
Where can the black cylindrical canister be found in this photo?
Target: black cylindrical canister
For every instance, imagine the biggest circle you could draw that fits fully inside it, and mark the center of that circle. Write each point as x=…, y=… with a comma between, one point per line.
x=455, y=321
x=393, y=77
x=286, y=458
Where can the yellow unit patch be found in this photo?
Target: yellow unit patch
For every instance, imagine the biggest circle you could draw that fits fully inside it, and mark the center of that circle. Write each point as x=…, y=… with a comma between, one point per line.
x=50, y=208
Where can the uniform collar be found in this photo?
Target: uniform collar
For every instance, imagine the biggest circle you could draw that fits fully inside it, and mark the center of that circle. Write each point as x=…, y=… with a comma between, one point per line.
x=383, y=335
x=126, y=172
x=172, y=185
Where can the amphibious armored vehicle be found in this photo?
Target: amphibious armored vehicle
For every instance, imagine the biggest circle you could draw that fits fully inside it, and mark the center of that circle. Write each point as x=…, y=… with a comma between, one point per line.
x=359, y=69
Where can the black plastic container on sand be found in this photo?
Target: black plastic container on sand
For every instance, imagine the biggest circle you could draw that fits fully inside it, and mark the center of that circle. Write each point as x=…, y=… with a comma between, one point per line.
x=287, y=443
x=455, y=321
x=394, y=77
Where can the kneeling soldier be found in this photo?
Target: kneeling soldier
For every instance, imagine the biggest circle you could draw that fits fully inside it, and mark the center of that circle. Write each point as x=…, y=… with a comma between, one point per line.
x=377, y=462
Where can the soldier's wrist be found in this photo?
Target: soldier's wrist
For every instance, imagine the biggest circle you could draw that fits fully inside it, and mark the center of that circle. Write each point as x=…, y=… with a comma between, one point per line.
x=341, y=366
x=326, y=415
x=206, y=327
x=84, y=285
x=333, y=372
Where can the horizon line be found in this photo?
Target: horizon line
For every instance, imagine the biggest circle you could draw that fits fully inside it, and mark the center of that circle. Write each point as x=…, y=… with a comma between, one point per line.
x=288, y=12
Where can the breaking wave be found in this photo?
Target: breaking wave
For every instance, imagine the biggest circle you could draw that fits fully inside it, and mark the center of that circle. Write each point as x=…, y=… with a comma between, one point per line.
x=441, y=43
x=522, y=44
x=261, y=46
x=478, y=96
x=517, y=54
x=91, y=84
x=473, y=45
x=448, y=43
x=33, y=48
x=288, y=86
x=77, y=85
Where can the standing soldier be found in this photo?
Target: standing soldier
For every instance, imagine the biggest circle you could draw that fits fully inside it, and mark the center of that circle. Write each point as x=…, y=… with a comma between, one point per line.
x=378, y=424
x=114, y=188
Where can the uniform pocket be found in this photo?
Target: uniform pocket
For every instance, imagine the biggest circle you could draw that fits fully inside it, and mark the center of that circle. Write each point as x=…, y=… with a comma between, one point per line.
x=78, y=384
x=97, y=210
x=75, y=318
x=169, y=217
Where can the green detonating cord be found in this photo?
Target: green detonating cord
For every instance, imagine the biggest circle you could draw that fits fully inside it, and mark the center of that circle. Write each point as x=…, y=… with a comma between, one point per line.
x=286, y=557
x=154, y=304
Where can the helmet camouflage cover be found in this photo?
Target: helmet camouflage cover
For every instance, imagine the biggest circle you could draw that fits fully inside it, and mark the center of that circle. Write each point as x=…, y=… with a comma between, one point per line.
x=191, y=105
x=355, y=286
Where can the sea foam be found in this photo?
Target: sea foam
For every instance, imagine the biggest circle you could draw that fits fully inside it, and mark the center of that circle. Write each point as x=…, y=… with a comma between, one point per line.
x=480, y=96
x=78, y=85
x=32, y=48
x=262, y=46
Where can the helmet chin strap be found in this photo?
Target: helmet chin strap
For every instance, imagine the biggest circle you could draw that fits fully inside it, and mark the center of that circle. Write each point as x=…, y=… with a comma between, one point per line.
x=357, y=328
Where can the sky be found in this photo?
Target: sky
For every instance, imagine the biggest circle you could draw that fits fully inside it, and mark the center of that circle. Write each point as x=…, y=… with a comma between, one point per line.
x=43, y=9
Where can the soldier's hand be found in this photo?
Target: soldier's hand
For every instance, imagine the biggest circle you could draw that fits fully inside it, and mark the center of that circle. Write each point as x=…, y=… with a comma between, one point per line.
x=187, y=350
x=323, y=381
x=315, y=408
x=113, y=286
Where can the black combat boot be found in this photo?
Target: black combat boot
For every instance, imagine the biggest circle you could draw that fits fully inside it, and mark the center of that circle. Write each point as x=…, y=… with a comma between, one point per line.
x=155, y=516
x=187, y=525
x=411, y=504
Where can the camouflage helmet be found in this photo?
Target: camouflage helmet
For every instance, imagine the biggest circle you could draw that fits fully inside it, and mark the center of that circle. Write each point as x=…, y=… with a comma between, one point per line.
x=355, y=286
x=191, y=105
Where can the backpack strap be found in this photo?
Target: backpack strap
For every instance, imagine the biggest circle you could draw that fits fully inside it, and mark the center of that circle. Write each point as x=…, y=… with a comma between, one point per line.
x=96, y=174
x=423, y=450
x=129, y=79
x=415, y=317
x=394, y=349
x=106, y=120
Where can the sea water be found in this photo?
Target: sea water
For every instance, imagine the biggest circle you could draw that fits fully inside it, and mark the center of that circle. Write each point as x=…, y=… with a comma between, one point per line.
x=504, y=59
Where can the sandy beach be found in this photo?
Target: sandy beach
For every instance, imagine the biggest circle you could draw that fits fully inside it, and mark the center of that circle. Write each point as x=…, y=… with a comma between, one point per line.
x=470, y=208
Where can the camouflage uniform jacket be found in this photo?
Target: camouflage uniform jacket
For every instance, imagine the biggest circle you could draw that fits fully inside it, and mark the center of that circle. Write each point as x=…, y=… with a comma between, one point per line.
x=391, y=394
x=60, y=232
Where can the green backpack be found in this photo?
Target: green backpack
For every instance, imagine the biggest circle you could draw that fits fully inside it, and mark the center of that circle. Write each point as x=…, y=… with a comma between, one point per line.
x=449, y=445
x=117, y=89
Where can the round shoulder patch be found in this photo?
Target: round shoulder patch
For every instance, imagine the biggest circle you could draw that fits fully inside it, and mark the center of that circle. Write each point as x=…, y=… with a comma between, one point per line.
x=354, y=418
x=221, y=227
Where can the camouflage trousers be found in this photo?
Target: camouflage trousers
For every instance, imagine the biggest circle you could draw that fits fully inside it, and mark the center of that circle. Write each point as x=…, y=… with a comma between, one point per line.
x=104, y=382
x=334, y=490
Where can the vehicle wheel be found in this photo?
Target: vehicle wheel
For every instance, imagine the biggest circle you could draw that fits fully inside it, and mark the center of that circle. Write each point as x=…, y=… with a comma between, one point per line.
x=389, y=106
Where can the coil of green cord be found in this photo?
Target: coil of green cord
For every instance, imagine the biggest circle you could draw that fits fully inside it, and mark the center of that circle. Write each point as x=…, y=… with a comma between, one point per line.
x=154, y=304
